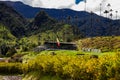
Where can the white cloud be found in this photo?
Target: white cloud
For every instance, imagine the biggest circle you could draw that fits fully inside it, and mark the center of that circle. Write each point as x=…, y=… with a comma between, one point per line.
x=92, y=5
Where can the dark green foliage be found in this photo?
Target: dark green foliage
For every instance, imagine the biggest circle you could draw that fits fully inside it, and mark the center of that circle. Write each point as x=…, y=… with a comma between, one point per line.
x=12, y=19
x=65, y=33
x=42, y=22
x=48, y=29
x=4, y=49
x=7, y=50
x=6, y=41
x=41, y=18
x=11, y=52
x=25, y=44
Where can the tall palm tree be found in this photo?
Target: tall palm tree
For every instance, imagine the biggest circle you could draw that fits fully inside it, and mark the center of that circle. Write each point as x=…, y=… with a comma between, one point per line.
x=76, y=19
x=69, y=18
x=116, y=14
x=109, y=5
x=106, y=12
x=111, y=10
x=111, y=15
x=85, y=1
x=100, y=8
x=62, y=17
x=91, y=22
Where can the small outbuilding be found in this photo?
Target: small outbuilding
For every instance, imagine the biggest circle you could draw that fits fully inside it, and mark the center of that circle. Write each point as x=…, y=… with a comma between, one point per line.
x=54, y=46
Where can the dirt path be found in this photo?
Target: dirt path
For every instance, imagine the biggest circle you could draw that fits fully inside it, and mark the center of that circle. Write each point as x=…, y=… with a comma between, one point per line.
x=10, y=77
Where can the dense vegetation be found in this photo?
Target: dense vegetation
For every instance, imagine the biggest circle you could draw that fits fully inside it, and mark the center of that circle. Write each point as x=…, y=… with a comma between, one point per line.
x=67, y=67
x=48, y=29
x=12, y=20
x=7, y=41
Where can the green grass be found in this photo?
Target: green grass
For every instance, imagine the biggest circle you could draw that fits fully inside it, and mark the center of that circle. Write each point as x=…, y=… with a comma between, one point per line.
x=100, y=54
x=62, y=52
x=73, y=52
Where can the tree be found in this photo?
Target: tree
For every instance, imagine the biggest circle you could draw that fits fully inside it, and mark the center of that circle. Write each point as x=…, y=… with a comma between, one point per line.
x=109, y=5
x=76, y=19
x=106, y=12
x=111, y=15
x=116, y=14
x=85, y=1
x=100, y=8
x=91, y=21
x=69, y=19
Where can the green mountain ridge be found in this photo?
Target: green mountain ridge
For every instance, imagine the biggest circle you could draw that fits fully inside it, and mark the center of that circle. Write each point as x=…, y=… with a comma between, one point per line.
x=12, y=20
x=42, y=27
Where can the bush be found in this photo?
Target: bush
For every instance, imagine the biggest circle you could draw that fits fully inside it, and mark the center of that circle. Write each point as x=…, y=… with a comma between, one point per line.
x=68, y=67
x=76, y=67
x=11, y=52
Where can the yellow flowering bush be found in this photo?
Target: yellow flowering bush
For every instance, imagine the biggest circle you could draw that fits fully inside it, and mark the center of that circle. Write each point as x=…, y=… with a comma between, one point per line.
x=66, y=67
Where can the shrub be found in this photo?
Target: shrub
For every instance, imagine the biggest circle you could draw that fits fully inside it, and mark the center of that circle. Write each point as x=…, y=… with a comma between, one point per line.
x=10, y=68
x=105, y=67
x=76, y=67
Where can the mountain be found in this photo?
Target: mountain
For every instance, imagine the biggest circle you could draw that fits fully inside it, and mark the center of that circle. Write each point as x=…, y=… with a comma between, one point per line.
x=48, y=29
x=12, y=20
x=90, y=24
x=78, y=5
x=99, y=26
x=30, y=12
x=42, y=22
x=24, y=10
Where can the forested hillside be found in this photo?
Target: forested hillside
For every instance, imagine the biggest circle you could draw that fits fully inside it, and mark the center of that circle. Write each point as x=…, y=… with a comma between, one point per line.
x=12, y=20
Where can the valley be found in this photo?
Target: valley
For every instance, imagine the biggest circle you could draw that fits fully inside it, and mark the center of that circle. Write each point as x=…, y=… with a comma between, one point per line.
x=57, y=44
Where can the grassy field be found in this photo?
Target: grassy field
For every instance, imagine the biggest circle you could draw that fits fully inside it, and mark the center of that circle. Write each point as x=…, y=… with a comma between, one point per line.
x=73, y=52
x=62, y=52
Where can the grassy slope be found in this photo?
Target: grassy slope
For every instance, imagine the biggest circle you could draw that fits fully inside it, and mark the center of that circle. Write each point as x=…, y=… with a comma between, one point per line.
x=106, y=44
x=5, y=35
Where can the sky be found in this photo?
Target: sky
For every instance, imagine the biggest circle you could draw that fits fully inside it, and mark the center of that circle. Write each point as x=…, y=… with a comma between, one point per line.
x=78, y=5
